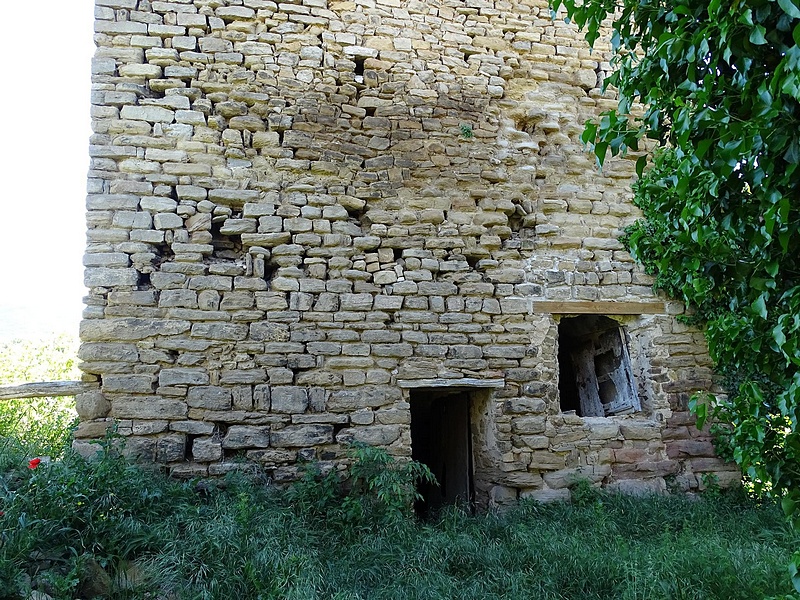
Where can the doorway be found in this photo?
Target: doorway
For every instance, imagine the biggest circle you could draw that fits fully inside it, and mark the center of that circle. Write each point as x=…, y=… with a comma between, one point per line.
x=441, y=439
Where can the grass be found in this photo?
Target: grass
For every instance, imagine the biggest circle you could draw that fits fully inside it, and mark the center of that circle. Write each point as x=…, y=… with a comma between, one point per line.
x=78, y=529
x=238, y=538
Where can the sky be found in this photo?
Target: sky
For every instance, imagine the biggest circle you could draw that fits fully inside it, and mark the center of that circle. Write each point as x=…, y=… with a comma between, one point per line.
x=46, y=48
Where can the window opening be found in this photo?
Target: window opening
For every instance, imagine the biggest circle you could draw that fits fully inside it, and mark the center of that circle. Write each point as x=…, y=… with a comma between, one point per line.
x=595, y=375
x=440, y=439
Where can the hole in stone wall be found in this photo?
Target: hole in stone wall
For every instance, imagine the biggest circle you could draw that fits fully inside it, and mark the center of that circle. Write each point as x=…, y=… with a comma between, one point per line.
x=370, y=110
x=225, y=246
x=164, y=254
x=442, y=440
x=595, y=375
x=358, y=71
x=270, y=269
x=144, y=281
x=187, y=449
x=526, y=125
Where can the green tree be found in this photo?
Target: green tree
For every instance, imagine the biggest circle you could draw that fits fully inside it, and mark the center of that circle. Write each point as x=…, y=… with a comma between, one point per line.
x=719, y=83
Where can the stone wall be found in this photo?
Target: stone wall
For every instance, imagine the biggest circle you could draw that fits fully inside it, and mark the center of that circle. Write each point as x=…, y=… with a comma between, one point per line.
x=299, y=213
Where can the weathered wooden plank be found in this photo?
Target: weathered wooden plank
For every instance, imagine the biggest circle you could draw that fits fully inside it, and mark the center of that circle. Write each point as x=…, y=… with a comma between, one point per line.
x=45, y=388
x=600, y=307
x=463, y=382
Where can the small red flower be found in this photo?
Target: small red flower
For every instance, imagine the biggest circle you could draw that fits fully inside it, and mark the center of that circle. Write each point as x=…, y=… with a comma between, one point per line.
x=33, y=463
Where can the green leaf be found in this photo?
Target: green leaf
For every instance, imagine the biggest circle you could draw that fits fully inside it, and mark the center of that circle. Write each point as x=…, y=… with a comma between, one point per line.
x=703, y=146
x=600, y=151
x=641, y=163
x=760, y=306
x=789, y=8
x=757, y=35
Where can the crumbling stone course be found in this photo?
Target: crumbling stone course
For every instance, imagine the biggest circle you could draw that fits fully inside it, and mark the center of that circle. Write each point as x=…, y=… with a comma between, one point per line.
x=295, y=207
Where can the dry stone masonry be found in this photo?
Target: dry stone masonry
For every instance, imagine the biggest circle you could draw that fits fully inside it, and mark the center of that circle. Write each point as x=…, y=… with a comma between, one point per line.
x=316, y=222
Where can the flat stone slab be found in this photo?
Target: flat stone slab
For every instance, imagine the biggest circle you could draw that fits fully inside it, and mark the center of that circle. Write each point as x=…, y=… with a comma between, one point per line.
x=464, y=382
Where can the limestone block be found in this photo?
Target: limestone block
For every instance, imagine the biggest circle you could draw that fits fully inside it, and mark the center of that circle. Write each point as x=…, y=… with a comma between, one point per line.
x=206, y=449
x=91, y=405
x=211, y=282
x=501, y=495
x=374, y=435
x=601, y=428
x=536, y=442
x=106, y=259
x=120, y=27
x=106, y=277
x=566, y=477
x=366, y=397
x=242, y=436
x=289, y=399
x=153, y=407
x=238, y=226
x=528, y=425
x=393, y=350
x=141, y=449
x=356, y=302
x=640, y=430
x=192, y=427
x=152, y=114
x=179, y=376
x=639, y=487
x=145, y=71
x=210, y=397
x=296, y=436
x=111, y=202
x=129, y=384
x=220, y=331
x=525, y=405
x=243, y=376
x=165, y=281
x=171, y=448
x=690, y=448
x=547, y=495
x=167, y=221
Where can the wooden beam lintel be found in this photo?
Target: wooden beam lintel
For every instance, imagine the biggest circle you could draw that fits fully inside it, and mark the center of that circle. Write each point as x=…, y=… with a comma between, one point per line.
x=45, y=389
x=600, y=307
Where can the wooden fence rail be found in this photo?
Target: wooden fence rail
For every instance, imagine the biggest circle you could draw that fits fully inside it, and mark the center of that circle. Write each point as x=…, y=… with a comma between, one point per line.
x=45, y=388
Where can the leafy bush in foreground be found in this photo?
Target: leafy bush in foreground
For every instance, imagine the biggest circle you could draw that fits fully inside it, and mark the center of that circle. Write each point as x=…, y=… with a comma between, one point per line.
x=74, y=528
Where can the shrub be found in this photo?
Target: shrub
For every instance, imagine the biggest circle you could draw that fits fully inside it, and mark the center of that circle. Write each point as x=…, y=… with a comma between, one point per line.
x=380, y=491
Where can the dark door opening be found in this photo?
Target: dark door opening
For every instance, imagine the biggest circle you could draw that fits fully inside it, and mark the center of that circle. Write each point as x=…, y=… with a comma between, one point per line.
x=440, y=439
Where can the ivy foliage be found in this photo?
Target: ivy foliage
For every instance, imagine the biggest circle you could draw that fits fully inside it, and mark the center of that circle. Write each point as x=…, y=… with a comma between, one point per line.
x=716, y=85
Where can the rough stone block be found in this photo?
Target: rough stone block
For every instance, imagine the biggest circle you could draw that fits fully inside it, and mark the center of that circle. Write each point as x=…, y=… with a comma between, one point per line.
x=179, y=376
x=206, y=449
x=289, y=399
x=298, y=436
x=242, y=436
x=210, y=397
